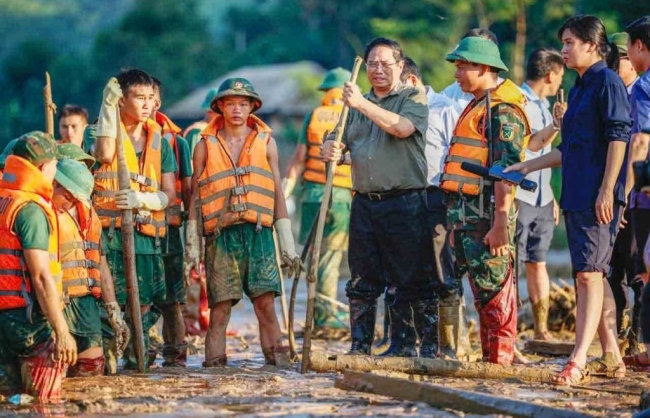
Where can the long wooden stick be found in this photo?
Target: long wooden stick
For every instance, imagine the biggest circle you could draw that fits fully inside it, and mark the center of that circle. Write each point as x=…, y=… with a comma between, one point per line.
x=312, y=275
x=283, y=296
x=128, y=251
x=50, y=107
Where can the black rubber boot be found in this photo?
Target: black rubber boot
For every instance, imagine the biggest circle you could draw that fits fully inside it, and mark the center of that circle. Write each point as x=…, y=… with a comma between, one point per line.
x=362, y=325
x=402, y=335
x=425, y=314
x=389, y=298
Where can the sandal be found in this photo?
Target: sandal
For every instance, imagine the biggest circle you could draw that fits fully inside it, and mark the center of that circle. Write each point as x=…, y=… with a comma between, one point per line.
x=606, y=366
x=567, y=377
x=635, y=362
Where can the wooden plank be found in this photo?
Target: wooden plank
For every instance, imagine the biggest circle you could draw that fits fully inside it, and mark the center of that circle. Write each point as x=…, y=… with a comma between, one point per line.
x=445, y=397
x=559, y=348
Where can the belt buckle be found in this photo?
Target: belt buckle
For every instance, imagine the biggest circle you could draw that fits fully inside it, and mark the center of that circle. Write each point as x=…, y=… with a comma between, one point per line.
x=374, y=196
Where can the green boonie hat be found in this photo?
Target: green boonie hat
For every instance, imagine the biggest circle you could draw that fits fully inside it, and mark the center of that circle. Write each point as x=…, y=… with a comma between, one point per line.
x=208, y=99
x=36, y=147
x=75, y=177
x=74, y=152
x=335, y=78
x=236, y=87
x=7, y=152
x=478, y=51
x=620, y=40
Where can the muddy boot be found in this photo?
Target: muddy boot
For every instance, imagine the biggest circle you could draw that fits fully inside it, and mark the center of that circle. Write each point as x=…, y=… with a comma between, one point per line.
x=175, y=355
x=425, y=315
x=389, y=299
x=402, y=335
x=540, y=320
x=362, y=325
x=499, y=316
x=42, y=378
x=87, y=367
x=449, y=312
x=219, y=361
x=110, y=355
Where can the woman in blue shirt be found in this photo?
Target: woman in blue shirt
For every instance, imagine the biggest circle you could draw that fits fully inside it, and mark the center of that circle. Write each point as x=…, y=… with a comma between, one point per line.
x=595, y=132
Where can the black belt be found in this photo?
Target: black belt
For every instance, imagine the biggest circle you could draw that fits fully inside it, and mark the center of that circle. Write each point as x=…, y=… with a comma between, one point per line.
x=434, y=189
x=388, y=194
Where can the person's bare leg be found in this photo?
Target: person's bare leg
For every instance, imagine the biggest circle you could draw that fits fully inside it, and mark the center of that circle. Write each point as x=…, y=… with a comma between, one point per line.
x=267, y=319
x=588, y=312
x=173, y=324
x=538, y=292
x=215, y=339
x=607, y=332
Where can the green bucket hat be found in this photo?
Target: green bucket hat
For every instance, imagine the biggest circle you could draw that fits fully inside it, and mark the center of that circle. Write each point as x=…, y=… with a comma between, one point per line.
x=478, y=51
x=620, y=40
x=36, y=147
x=75, y=178
x=335, y=78
x=236, y=87
x=74, y=152
x=208, y=99
x=7, y=152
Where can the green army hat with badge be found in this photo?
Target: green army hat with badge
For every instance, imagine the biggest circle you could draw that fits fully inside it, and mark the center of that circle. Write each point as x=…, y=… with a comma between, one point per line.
x=478, y=50
x=236, y=87
x=620, y=40
x=75, y=177
x=36, y=147
x=335, y=78
x=74, y=152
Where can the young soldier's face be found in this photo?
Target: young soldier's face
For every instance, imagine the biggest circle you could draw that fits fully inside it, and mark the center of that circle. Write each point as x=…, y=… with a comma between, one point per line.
x=469, y=75
x=137, y=104
x=71, y=129
x=382, y=67
x=235, y=109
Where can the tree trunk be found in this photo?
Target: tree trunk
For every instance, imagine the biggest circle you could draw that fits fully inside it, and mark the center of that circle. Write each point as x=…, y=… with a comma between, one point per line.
x=518, y=55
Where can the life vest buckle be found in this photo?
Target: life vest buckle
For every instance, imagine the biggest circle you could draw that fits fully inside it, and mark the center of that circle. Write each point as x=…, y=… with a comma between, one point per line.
x=238, y=191
x=238, y=207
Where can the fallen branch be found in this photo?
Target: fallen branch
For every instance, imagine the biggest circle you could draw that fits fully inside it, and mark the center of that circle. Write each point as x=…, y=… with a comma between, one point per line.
x=559, y=348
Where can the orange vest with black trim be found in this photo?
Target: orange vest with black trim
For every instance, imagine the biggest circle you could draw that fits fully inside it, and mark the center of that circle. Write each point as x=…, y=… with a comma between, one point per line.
x=80, y=255
x=145, y=176
x=22, y=184
x=232, y=192
x=323, y=120
x=469, y=143
x=170, y=130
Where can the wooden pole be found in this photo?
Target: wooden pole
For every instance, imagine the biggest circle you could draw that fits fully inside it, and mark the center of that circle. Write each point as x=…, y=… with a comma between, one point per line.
x=50, y=107
x=128, y=251
x=283, y=296
x=312, y=271
x=323, y=362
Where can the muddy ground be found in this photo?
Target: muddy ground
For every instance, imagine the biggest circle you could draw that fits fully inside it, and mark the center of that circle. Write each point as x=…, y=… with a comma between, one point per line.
x=249, y=388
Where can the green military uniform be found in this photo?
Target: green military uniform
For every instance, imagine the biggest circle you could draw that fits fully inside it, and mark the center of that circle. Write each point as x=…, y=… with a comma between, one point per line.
x=491, y=277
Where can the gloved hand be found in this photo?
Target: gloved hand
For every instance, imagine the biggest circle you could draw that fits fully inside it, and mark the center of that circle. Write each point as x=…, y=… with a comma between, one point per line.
x=130, y=199
x=290, y=259
x=107, y=120
x=122, y=333
x=192, y=258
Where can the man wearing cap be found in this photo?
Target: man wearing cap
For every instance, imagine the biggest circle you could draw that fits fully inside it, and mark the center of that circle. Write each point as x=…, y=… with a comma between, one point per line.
x=308, y=163
x=35, y=342
x=151, y=165
x=389, y=242
x=193, y=132
x=74, y=152
x=483, y=241
x=237, y=184
x=86, y=276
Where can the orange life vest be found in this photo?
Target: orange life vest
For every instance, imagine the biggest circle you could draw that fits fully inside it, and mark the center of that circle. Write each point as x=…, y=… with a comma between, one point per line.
x=22, y=184
x=230, y=192
x=80, y=255
x=323, y=120
x=174, y=209
x=469, y=143
x=145, y=176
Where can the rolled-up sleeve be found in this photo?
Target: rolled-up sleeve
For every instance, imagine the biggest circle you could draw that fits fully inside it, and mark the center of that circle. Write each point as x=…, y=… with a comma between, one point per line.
x=416, y=110
x=615, y=111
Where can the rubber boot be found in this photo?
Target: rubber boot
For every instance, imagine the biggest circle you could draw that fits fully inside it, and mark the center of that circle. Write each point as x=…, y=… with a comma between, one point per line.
x=362, y=325
x=43, y=377
x=402, y=336
x=499, y=318
x=110, y=355
x=449, y=312
x=87, y=367
x=175, y=355
x=540, y=319
x=425, y=315
x=389, y=299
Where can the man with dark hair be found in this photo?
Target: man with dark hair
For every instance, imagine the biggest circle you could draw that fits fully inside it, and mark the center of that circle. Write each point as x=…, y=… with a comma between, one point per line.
x=443, y=116
x=385, y=134
x=152, y=166
x=72, y=123
x=538, y=210
x=453, y=91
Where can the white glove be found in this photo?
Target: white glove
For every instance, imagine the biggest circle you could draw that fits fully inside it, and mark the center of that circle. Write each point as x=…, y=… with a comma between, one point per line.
x=288, y=247
x=192, y=259
x=122, y=333
x=107, y=120
x=130, y=199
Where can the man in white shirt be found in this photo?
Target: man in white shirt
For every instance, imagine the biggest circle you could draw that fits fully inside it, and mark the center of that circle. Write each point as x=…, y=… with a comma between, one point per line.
x=538, y=211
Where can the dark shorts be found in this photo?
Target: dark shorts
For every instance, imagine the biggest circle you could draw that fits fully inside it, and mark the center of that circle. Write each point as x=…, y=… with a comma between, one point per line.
x=390, y=245
x=337, y=223
x=174, y=278
x=83, y=319
x=150, y=271
x=641, y=227
x=535, y=227
x=590, y=244
x=21, y=336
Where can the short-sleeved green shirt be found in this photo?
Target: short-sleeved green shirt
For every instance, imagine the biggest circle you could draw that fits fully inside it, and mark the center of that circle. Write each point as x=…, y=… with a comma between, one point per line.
x=145, y=244
x=505, y=119
x=381, y=161
x=31, y=221
x=184, y=157
x=193, y=138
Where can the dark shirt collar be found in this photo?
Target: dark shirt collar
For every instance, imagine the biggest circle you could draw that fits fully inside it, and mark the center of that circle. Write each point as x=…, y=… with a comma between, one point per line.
x=395, y=91
x=591, y=73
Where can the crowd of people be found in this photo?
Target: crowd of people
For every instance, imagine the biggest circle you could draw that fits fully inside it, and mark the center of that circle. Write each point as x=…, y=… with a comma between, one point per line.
x=413, y=219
